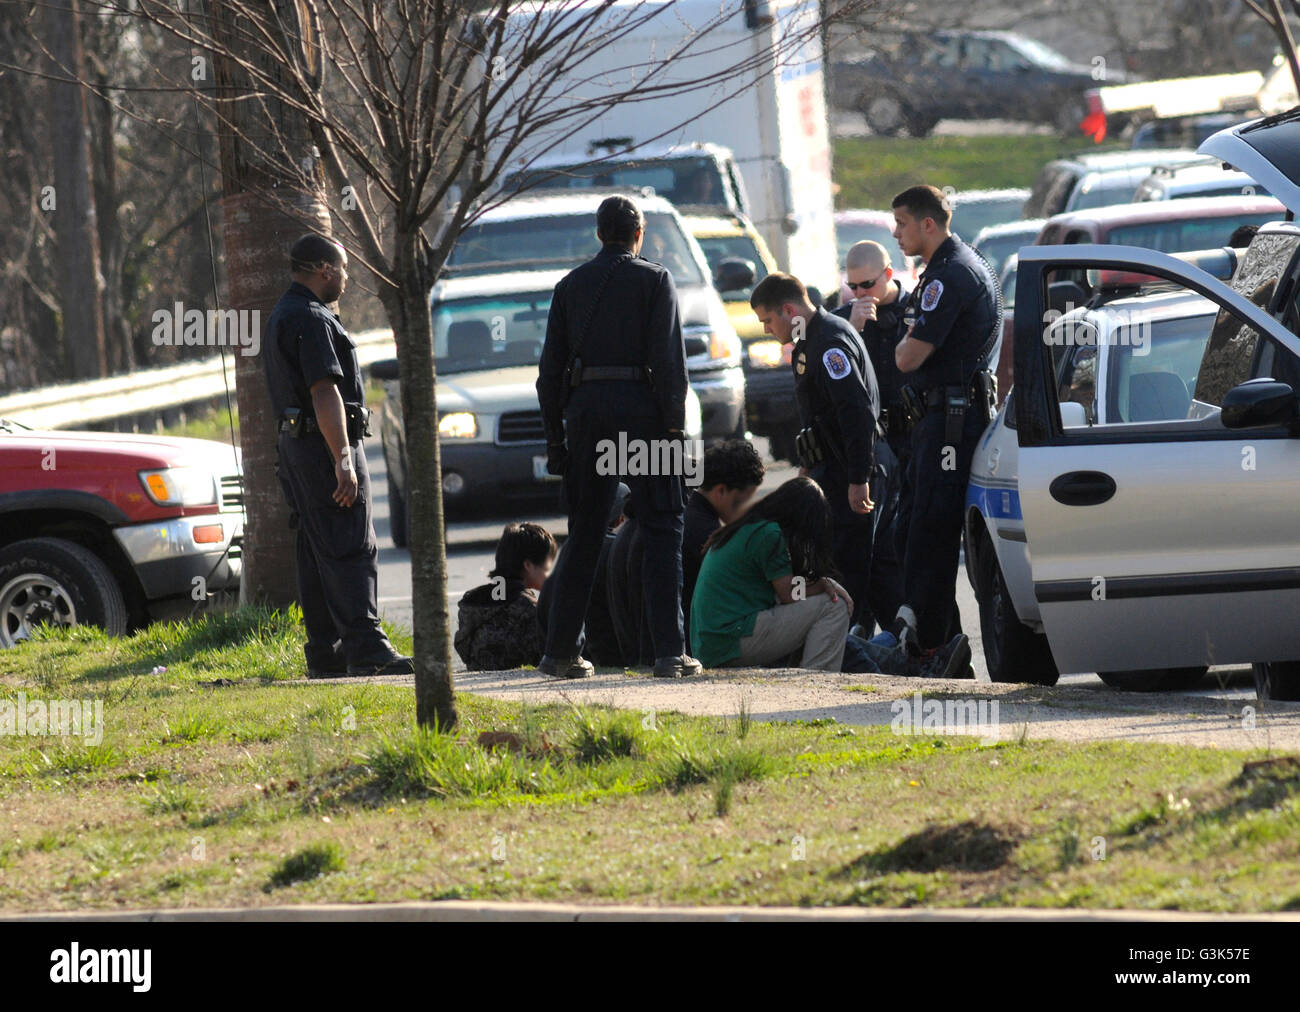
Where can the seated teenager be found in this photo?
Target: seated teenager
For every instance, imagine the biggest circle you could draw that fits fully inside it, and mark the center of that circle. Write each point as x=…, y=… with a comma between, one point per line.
x=497, y=626
x=764, y=593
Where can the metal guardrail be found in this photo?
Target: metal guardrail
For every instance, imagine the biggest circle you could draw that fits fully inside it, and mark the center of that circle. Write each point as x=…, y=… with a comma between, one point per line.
x=69, y=405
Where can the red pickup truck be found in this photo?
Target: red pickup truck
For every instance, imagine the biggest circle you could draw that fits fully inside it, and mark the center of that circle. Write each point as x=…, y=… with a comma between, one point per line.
x=113, y=530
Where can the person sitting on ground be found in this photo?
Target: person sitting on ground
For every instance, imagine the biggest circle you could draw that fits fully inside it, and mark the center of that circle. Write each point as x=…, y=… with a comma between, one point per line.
x=765, y=592
x=497, y=627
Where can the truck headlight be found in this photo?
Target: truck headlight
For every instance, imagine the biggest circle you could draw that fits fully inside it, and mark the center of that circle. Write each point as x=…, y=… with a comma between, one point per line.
x=458, y=425
x=181, y=486
x=719, y=346
x=765, y=354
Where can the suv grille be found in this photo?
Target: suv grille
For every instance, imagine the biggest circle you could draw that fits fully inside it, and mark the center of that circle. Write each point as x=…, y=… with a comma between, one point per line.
x=521, y=427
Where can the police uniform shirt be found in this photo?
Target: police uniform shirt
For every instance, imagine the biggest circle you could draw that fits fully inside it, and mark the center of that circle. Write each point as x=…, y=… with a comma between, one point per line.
x=636, y=323
x=835, y=382
x=955, y=307
x=881, y=337
x=306, y=343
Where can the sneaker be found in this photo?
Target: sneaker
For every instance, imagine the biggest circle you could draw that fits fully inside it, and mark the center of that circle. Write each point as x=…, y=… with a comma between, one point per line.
x=569, y=667
x=677, y=667
x=385, y=664
x=951, y=660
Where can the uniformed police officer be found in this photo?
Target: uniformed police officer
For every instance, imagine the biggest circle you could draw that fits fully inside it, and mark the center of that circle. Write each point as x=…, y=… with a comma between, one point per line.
x=613, y=374
x=317, y=395
x=949, y=326
x=839, y=408
x=875, y=311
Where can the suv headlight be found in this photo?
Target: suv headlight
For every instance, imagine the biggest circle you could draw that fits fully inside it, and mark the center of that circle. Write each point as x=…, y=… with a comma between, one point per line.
x=458, y=425
x=181, y=486
x=764, y=354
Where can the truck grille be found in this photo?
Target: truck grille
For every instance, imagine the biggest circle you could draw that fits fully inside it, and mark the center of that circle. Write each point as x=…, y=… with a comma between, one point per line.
x=521, y=427
x=232, y=493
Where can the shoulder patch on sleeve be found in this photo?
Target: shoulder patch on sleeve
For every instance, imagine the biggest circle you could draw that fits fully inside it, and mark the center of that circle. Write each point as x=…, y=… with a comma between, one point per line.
x=930, y=297
x=837, y=363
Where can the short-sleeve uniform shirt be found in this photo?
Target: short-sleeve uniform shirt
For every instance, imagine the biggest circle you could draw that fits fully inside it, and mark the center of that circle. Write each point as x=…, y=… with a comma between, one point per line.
x=304, y=344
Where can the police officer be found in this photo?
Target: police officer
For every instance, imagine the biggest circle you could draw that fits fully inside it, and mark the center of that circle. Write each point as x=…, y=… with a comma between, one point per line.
x=317, y=395
x=949, y=327
x=613, y=374
x=875, y=311
x=839, y=408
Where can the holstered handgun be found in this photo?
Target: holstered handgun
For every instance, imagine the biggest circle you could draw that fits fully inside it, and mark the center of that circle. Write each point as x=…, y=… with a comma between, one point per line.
x=292, y=422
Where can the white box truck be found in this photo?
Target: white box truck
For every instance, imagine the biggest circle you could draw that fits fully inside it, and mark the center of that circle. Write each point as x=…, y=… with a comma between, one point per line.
x=759, y=144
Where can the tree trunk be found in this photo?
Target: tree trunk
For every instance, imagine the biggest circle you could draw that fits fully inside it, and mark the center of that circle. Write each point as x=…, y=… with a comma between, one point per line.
x=81, y=284
x=435, y=703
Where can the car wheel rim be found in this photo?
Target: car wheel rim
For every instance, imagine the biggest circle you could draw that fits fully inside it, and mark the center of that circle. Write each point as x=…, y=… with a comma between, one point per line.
x=29, y=602
x=885, y=114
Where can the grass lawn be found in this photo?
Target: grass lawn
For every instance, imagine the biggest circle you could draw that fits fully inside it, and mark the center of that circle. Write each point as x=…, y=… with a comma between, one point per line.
x=224, y=779
x=871, y=170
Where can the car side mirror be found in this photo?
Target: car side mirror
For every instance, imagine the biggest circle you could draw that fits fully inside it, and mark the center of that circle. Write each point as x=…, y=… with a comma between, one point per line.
x=1258, y=403
x=384, y=369
x=1073, y=414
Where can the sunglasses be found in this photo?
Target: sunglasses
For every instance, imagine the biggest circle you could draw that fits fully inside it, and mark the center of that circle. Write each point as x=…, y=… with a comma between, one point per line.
x=854, y=286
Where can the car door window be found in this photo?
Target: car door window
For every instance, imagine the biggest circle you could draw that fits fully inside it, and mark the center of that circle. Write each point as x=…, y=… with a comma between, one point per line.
x=1154, y=366
x=1079, y=380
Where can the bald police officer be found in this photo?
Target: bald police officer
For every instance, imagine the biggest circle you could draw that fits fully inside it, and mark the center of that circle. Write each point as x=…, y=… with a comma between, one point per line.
x=948, y=330
x=613, y=373
x=316, y=392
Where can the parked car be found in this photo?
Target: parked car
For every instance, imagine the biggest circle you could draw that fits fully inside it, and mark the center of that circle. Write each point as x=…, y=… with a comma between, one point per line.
x=1173, y=543
x=1114, y=356
x=488, y=331
x=1196, y=179
x=1067, y=183
x=914, y=79
x=1182, y=131
x=113, y=530
x=975, y=210
x=1171, y=226
x=857, y=225
x=558, y=231
x=998, y=243
x=739, y=259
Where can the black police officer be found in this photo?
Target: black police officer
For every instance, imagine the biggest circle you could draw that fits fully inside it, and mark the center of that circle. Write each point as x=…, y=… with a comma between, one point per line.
x=839, y=407
x=948, y=327
x=875, y=311
x=613, y=368
x=316, y=392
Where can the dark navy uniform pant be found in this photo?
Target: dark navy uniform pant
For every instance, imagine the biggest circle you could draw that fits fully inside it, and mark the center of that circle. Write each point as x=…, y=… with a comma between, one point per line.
x=933, y=502
x=337, y=552
x=597, y=412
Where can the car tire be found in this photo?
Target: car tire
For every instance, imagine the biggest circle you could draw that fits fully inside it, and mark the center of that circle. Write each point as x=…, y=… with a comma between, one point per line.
x=1278, y=680
x=50, y=581
x=1012, y=651
x=396, y=509
x=885, y=115
x=1154, y=679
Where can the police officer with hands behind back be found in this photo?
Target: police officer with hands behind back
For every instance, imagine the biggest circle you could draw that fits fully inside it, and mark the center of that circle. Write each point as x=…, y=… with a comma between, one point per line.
x=839, y=408
x=949, y=328
x=614, y=363
x=316, y=392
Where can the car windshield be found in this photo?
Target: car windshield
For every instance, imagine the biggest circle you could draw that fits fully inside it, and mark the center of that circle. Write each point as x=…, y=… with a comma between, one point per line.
x=1187, y=234
x=719, y=248
x=996, y=248
x=691, y=180
x=1040, y=54
x=490, y=332
x=847, y=235
x=1105, y=190
x=968, y=217
x=565, y=241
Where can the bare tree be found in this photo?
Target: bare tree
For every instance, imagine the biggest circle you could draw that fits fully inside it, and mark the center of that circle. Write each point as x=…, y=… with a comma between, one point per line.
x=416, y=109
x=1275, y=17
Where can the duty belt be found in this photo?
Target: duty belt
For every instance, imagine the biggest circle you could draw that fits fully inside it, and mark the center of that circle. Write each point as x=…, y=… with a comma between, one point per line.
x=296, y=422
x=611, y=372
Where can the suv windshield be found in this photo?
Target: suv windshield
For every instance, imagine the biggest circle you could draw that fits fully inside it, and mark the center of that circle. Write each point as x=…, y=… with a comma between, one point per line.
x=968, y=218
x=489, y=332
x=719, y=248
x=693, y=180
x=564, y=241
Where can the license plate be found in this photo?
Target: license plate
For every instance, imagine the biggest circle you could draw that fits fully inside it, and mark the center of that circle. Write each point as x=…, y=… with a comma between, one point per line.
x=539, y=471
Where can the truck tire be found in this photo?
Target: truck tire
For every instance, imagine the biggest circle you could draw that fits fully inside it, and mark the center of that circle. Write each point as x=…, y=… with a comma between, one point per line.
x=50, y=581
x=1278, y=680
x=1012, y=651
x=396, y=509
x=1154, y=679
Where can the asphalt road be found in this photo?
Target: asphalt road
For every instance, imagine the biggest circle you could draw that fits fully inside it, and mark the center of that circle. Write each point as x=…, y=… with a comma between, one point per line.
x=470, y=548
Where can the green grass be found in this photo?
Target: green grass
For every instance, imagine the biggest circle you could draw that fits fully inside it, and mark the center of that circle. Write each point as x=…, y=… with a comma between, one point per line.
x=869, y=171
x=274, y=789
x=216, y=424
